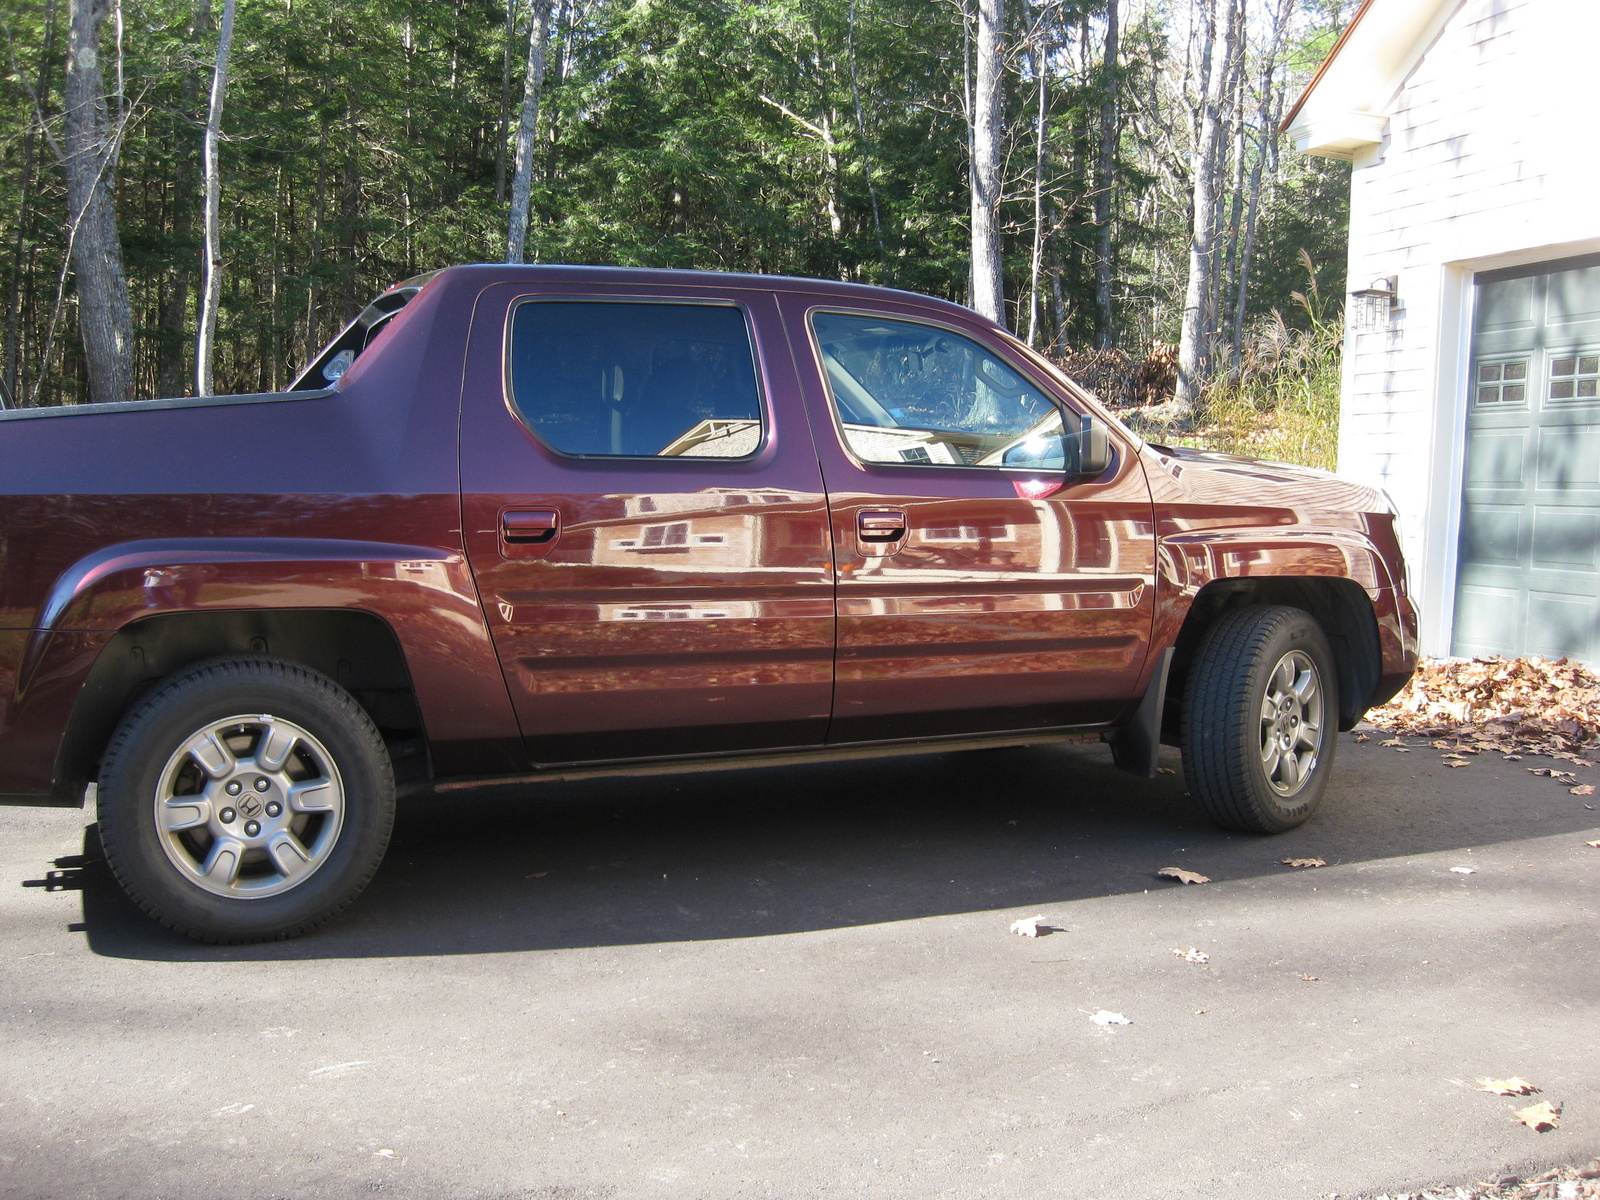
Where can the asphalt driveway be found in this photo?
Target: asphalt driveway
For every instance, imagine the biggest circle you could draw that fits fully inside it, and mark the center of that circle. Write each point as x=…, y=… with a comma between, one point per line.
x=801, y=983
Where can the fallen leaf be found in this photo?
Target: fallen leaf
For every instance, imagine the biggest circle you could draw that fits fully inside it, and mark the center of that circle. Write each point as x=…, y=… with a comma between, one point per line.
x=383, y=1154
x=1031, y=927
x=1182, y=876
x=1361, y=737
x=1513, y=758
x=1166, y=770
x=1583, y=789
x=1309, y=979
x=1596, y=845
x=1463, y=870
x=1515, y=1086
x=1392, y=742
x=1544, y=771
x=1539, y=1117
x=1455, y=762
x=1193, y=956
x=1303, y=862
x=1109, y=1018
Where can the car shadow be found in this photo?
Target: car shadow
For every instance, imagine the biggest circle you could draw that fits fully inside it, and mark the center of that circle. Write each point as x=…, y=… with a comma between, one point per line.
x=758, y=853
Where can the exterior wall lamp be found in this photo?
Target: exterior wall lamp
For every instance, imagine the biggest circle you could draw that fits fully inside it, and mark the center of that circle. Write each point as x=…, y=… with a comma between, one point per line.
x=1371, y=307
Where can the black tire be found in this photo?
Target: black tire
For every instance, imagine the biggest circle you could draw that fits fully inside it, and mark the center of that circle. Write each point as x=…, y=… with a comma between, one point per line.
x=1236, y=758
x=164, y=813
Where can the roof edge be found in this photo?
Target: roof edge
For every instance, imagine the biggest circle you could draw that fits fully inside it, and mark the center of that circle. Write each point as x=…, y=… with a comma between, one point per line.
x=1322, y=68
x=1373, y=57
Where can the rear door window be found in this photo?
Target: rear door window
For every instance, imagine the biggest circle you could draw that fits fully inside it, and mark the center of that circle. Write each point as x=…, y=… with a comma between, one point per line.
x=636, y=380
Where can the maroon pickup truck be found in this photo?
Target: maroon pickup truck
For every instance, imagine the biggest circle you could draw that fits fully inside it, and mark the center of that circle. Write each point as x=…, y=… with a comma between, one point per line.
x=528, y=523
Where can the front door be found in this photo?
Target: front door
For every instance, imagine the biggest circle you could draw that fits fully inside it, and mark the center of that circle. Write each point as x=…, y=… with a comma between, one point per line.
x=645, y=519
x=1528, y=575
x=974, y=595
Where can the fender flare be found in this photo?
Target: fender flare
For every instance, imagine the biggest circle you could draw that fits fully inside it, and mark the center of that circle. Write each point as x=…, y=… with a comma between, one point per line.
x=424, y=594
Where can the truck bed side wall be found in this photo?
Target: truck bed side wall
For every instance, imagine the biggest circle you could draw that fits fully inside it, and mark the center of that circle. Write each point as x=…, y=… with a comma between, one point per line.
x=346, y=501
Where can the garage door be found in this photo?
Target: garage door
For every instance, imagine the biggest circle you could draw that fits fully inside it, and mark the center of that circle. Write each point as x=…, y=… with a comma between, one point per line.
x=1529, y=567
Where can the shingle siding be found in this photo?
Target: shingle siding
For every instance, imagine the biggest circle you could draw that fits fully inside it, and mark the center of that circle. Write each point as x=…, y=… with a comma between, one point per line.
x=1488, y=152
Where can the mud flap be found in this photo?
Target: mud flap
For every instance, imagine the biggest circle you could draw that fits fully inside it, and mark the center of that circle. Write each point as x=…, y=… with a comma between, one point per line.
x=1137, y=744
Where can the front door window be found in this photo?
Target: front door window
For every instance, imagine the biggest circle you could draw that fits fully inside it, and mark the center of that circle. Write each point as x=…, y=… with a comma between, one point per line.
x=910, y=393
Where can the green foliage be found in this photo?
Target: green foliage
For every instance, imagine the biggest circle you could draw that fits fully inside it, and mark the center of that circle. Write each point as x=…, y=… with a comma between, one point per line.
x=1307, y=214
x=363, y=143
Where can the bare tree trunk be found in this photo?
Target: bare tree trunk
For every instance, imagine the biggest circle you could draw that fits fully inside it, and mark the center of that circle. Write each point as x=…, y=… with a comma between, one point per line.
x=211, y=253
x=988, y=289
x=1058, y=339
x=1232, y=167
x=104, y=313
x=1041, y=59
x=562, y=19
x=861, y=132
x=319, y=220
x=23, y=250
x=1105, y=183
x=1267, y=124
x=174, y=376
x=1192, y=363
x=502, y=125
x=522, y=176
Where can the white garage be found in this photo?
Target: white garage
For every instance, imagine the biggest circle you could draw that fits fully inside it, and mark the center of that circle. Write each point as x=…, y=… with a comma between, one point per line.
x=1471, y=384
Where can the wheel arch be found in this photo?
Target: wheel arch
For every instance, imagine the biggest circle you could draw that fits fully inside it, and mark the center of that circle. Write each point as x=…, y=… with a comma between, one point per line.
x=1340, y=606
x=355, y=648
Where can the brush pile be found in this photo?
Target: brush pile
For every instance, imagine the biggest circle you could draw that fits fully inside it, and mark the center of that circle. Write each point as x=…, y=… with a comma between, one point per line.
x=1118, y=381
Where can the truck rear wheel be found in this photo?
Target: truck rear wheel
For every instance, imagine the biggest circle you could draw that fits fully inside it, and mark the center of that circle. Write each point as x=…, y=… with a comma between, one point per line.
x=245, y=800
x=1260, y=718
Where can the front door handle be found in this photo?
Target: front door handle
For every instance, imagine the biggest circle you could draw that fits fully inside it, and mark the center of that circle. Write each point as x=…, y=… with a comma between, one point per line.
x=528, y=532
x=880, y=531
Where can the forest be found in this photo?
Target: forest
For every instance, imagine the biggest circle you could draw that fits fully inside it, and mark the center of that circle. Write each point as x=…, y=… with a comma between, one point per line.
x=197, y=194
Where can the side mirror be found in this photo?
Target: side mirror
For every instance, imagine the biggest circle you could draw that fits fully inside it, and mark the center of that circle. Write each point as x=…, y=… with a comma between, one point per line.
x=1094, y=447
x=1042, y=452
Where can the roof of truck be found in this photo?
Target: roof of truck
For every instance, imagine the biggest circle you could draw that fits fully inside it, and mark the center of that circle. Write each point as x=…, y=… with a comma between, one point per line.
x=488, y=273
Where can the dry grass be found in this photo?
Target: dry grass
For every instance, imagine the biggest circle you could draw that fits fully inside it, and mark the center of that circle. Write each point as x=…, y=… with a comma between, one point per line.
x=1283, y=403
x=1281, y=399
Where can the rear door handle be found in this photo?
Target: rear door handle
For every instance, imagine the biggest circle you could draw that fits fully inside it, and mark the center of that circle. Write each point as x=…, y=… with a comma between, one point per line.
x=528, y=532
x=529, y=525
x=880, y=531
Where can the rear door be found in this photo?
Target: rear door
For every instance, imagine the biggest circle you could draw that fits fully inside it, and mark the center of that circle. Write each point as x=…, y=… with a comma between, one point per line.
x=975, y=595
x=645, y=518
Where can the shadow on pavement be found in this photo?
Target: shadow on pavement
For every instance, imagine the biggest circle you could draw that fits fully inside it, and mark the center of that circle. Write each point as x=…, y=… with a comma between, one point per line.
x=785, y=850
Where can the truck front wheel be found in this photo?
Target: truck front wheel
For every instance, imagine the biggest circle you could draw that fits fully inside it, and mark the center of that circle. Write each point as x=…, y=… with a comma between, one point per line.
x=1260, y=716
x=245, y=799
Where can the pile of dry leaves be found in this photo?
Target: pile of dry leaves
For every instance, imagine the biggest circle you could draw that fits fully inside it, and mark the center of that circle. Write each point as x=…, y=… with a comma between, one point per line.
x=1564, y=1183
x=1513, y=705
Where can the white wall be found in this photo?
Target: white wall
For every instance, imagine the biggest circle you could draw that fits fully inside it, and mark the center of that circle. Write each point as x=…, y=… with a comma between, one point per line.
x=1491, y=158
